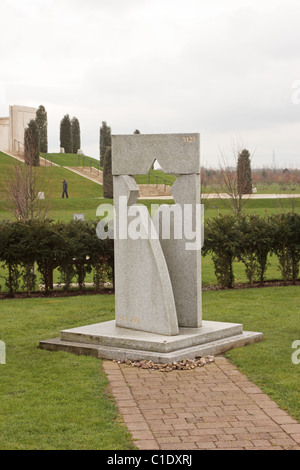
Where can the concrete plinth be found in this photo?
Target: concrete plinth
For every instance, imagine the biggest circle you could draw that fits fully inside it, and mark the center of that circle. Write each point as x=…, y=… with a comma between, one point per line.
x=105, y=340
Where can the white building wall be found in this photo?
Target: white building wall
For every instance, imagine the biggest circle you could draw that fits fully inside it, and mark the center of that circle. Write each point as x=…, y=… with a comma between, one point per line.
x=4, y=134
x=19, y=117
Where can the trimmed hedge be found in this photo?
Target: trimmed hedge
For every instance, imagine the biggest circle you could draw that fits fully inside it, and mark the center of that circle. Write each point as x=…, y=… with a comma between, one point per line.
x=252, y=239
x=73, y=248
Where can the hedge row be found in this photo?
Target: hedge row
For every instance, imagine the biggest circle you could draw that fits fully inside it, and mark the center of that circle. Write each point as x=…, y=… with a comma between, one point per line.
x=73, y=248
x=252, y=239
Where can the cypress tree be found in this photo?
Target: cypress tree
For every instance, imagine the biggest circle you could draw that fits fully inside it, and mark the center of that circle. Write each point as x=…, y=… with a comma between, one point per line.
x=32, y=144
x=66, y=134
x=76, y=140
x=244, y=175
x=42, y=124
x=107, y=175
x=105, y=141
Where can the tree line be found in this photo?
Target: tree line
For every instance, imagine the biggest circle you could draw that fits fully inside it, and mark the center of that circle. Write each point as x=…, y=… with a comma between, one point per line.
x=70, y=137
x=36, y=141
x=36, y=136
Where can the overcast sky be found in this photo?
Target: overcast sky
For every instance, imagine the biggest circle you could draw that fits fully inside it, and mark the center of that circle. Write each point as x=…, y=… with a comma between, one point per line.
x=228, y=69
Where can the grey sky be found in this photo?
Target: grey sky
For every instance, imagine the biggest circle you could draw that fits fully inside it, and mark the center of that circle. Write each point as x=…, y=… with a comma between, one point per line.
x=225, y=69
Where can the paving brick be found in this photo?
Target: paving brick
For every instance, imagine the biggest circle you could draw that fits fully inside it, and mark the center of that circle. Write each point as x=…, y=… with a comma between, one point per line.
x=283, y=442
x=138, y=426
x=291, y=428
x=142, y=435
x=235, y=444
x=285, y=419
x=206, y=445
x=168, y=440
x=214, y=407
x=296, y=438
x=132, y=418
x=260, y=442
x=149, y=444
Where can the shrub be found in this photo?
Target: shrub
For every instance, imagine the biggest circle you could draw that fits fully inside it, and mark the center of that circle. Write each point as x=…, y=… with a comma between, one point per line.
x=254, y=246
x=286, y=244
x=222, y=241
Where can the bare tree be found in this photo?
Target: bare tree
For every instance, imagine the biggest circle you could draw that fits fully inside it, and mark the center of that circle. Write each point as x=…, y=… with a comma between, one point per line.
x=23, y=192
x=230, y=188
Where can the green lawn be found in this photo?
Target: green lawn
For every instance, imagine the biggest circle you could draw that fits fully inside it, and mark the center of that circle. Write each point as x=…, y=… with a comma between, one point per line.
x=275, y=312
x=51, y=180
x=83, y=194
x=209, y=277
x=55, y=400
x=213, y=207
x=155, y=176
x=70, y=159
x=276, y=188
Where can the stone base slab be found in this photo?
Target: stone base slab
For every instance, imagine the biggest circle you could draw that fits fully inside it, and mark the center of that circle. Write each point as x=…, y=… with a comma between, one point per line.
x=105, y=340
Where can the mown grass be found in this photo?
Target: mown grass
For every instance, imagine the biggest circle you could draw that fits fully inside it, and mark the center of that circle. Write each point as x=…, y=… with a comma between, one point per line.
x=155, y=176
x=83, y=193
x=55, y=400
x=70, y=159
x=275, y=312
x=262, y=207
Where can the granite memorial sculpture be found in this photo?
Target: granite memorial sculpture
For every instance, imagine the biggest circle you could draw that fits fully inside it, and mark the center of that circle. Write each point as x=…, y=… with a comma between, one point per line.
x=158, y=302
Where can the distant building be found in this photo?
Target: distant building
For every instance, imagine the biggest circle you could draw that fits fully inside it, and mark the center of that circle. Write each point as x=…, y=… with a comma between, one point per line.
x=12, y=128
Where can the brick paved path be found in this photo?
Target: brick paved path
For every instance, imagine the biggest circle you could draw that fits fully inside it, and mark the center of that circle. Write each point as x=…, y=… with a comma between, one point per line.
x=213, y=407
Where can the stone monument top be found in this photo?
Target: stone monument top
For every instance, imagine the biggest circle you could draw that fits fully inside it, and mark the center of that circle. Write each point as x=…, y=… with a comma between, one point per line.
x=176, y=153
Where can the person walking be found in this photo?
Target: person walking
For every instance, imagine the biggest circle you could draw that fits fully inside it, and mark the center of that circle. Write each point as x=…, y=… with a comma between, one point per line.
x=65, y=189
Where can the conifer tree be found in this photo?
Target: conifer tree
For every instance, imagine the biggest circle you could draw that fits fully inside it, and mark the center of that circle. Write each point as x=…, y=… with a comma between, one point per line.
x=42, y=124
x=244, y=175
x=32, y=144
x=76, y=140
x=66, y=134
x=107, y=175
x=105, y=141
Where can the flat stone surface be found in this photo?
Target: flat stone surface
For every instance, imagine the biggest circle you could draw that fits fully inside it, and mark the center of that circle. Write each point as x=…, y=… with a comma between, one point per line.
x=186, y=280
x=144, y=297
x=205, y=408
x=108, y=334
x=107, y=341
x=135, y=154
